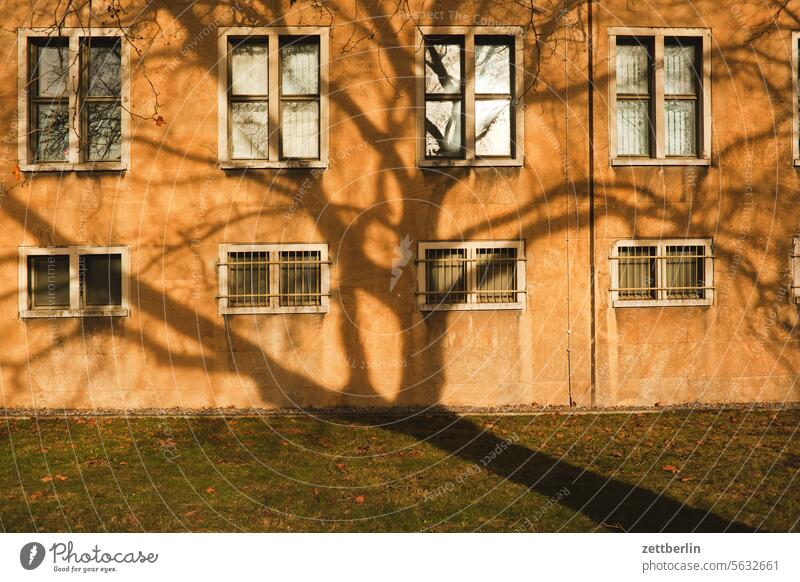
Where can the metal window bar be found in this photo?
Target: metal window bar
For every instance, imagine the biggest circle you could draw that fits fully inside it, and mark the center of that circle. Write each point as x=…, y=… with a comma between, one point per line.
x=496, y=273
x=645, y=274
x=300, y=278
x=248, y=279
x=449, y=280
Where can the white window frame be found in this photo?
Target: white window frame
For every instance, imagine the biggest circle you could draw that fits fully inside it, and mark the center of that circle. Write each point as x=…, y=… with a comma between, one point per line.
x=273, y=34
x=517, y=98
x=274, y=251
x=471, y=290
x=658, y=156
x=661, y=244
x=75, y=309
x=74, y=160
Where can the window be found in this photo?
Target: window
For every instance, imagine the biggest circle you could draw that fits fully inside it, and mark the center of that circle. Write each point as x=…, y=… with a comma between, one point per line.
x=471, y=275
x=273, y=97
x=662, y=273
x=73, y=281
x=660, y=84
x=469, y=83
x=73, y=90
x=274, y=278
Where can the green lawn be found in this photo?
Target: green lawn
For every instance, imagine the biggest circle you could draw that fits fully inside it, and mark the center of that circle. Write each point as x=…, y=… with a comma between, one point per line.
x=675, y=470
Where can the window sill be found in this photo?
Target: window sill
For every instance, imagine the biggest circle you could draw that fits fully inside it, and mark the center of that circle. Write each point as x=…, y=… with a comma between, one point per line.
x=60, y=313
x=271, y=165
x=663, y=303
x=273, y=310
x=81, y=167
x=660, y=162
x=479, y=163
x=473, y=307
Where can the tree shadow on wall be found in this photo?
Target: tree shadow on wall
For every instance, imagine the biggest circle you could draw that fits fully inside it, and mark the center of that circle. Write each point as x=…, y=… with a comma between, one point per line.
x=606, y=501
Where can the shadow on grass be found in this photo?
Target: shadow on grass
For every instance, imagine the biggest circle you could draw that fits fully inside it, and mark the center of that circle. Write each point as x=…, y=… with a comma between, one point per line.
x=610, y=503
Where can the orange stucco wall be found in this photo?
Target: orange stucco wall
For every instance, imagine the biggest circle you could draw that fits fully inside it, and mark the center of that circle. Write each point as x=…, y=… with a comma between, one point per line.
x=174, y=206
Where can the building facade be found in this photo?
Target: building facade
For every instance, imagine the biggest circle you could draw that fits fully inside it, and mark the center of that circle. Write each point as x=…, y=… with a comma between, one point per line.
x=332, y=204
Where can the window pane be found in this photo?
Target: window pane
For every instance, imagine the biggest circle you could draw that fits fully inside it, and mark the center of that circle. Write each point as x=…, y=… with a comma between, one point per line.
x=632, y=69
x=101, y=279
x=497, y=275
x=443, y=68
x=248, y=279
x=249, y=66
x=446, y=276
x=51, y=132
x=633, y=128
x=300, y=278
x=637, y=273
x=300, y=129
x=443, y=129
x=679, y=72
x=104, y=131
x=48, y=279
x=104, y=73
x=300, y=68
x=249, y=137
x=52, y=64
x=493, y=68
x=681, y=128
x=493, y=127
x=684, y=272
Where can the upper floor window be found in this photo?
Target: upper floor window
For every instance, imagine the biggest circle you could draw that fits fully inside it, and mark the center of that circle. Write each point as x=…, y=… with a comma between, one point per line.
x=662, y=273
x=273, y=97
x=660, y=96
x=471, y=275
x=274, y=278
x=469, y=87
x=73, y=91
x=73, y=281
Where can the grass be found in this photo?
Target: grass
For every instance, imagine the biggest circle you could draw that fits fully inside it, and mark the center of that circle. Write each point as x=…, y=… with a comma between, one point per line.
x=677, y=470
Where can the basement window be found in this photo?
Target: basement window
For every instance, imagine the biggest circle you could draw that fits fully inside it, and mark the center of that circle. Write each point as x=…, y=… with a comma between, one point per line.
x=274, y=278
x=73, y=281
x=72, y=98
x=469, y=84
x=471, y=275
x=660, y=81
x=273, y=76
x=650, y=273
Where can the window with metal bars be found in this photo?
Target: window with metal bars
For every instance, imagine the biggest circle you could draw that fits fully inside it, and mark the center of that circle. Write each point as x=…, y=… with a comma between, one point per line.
x=282, y=278
x=660, y=105
x=671, y=272
x=471, y=275
x=275, y=104
x=73, y=71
